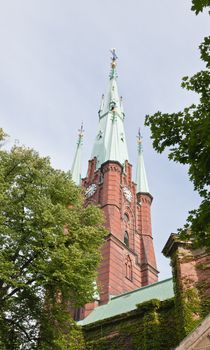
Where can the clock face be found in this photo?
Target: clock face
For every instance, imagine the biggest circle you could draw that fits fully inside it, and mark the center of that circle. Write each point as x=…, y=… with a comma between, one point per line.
x=90, y=190
x=127, y=194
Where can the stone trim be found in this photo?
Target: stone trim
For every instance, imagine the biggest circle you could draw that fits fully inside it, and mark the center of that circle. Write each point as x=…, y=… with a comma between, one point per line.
x=191, y=342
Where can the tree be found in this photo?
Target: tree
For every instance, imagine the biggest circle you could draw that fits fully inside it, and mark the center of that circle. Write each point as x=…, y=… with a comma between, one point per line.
x=199, y=5
x=49, y=253
x=3, y=136
x=187, y=135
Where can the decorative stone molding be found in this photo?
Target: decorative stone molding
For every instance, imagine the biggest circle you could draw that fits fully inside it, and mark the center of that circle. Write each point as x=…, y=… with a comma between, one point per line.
x=199, y=339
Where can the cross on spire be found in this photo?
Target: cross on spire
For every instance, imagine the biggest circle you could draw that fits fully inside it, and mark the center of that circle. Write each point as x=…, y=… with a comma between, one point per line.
x=76, y=166
x=139, y=140
x=114, y=58
x=141, y=176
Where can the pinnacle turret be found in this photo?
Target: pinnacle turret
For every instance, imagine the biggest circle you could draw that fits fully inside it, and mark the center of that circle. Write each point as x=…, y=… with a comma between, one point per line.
x=141, y=177
x=110, y=143
x=76, y=166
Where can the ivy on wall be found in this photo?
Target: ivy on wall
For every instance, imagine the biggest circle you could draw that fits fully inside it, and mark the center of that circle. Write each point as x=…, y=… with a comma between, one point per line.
x=150, y=327
x=155, y=324
x=192, y=299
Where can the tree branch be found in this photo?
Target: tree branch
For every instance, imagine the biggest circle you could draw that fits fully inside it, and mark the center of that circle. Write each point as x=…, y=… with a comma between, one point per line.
x=18, y=289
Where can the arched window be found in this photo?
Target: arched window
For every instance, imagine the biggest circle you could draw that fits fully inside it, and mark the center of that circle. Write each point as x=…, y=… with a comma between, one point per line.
x=126, y=239
x=77, y=313
x=126, y=217
x=128, y=268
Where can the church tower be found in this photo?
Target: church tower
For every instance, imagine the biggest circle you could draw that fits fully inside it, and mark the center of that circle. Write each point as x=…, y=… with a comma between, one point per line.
x=128, y=259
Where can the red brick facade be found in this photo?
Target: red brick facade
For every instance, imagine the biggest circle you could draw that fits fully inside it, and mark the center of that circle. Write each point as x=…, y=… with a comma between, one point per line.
x=128, y=259
x=190, y=266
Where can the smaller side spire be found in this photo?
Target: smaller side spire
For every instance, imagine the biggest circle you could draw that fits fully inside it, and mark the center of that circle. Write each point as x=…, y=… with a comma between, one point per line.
x=101, y=106
x=76, y=166
x=121, y=106
x=141, y=177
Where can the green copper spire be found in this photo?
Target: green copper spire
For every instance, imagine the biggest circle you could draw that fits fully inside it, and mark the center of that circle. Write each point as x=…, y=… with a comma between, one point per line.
x=76, y=166
x=141, y=177
x=110, y=143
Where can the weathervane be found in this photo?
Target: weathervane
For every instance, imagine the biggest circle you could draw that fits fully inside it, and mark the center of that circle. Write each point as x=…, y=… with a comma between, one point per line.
x=113, y=64
x=114, y=56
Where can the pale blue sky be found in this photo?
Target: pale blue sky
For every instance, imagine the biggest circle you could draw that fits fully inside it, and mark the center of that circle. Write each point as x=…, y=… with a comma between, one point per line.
x=54, y=66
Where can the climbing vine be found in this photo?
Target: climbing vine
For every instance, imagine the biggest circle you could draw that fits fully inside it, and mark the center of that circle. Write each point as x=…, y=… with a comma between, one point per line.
x=149, y=327
x=155, y=324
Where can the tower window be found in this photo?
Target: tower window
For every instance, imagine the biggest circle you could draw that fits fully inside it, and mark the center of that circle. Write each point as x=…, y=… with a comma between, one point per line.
x=77, y=313
x=126, y=217
x=112, y=105
x=101, y=178
x=126, y=239
x=128, y=268
x=100, y=134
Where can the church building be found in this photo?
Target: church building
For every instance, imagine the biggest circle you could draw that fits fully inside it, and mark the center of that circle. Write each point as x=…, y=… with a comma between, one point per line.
x=132, y=309
x=128, y=253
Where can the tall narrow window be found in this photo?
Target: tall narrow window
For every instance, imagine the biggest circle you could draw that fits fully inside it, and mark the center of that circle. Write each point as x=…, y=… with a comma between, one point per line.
x=77, y=313
x=126, y=217
x=128, y=268
x=126, y=239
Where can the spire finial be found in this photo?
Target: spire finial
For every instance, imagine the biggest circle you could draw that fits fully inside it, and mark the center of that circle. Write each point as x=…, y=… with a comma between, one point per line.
x=139, y=140
x=81, y=133
x=76, y=166
x=110, y=142
x=114, y=56
x=141, y=177
x=113, y=64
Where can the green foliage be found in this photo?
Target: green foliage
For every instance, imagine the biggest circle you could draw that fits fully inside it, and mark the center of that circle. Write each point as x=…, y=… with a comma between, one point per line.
x=188, y=304
x=168, y=321
x=49, y=244
x=199, y=5
x=187, y=135
x=2, y=134
x=205, y=306
x=151, y=326
x=3, y=137
x=203, y=288
x=59, y=331
x=187, y=132
x=150, y=337
x=149, y=305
